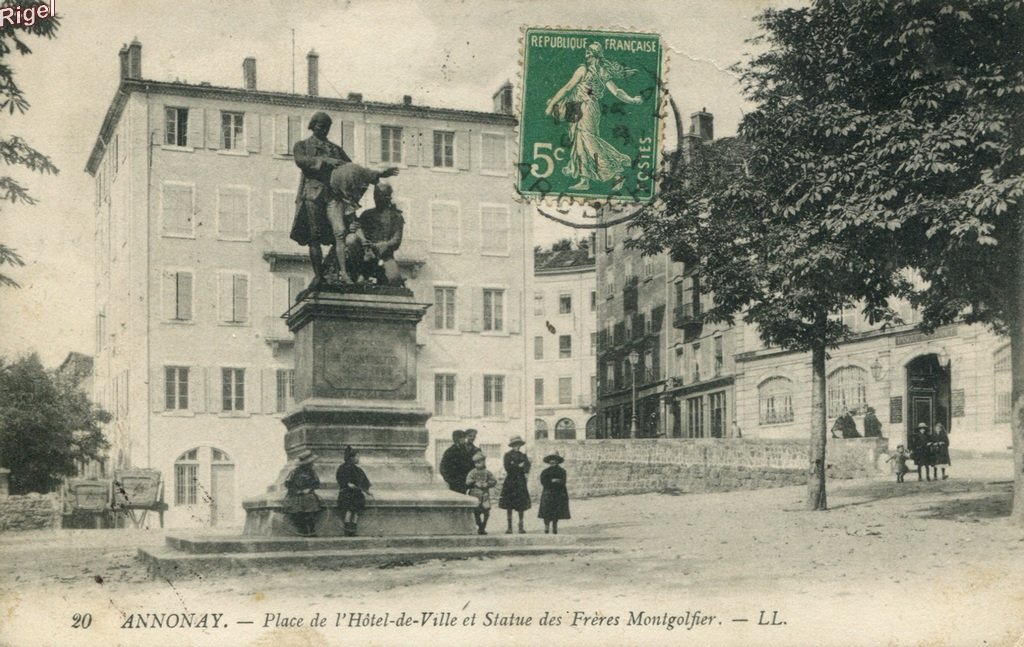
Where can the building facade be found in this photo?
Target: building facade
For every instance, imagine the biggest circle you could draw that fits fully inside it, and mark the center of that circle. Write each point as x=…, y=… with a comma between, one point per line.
x=563, y=339
x=195, y=196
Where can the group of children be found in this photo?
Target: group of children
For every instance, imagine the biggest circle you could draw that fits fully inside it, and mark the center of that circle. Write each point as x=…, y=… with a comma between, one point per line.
x=554, y=499
x=929, y=450
x=303, y=504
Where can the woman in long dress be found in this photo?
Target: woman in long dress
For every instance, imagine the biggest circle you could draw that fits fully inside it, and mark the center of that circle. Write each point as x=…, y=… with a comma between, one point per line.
x=579, y=101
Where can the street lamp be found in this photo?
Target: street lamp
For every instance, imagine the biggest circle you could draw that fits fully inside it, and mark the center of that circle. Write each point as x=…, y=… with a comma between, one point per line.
x=634, y=357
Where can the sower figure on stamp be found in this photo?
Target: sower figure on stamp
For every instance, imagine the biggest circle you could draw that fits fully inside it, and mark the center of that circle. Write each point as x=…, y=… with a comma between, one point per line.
x=373, y=239
x=348, y=183
x=316, y=157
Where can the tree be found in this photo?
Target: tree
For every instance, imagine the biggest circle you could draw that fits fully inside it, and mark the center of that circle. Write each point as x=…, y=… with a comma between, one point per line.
x=14, y=150
x=932, y=95
x=47, y=426
x=765, y=220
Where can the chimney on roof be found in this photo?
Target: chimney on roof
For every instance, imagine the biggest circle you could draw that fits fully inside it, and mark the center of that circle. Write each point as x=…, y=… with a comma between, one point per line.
x=134, y=60
x=313, y=73
x=123, y=55
x=249, y=73
x=355, y=96
x=503, y=99
x=407, y=100
x=702, y=124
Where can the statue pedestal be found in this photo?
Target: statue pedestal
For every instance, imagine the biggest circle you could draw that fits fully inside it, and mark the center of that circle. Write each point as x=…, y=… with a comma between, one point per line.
x=355, y=382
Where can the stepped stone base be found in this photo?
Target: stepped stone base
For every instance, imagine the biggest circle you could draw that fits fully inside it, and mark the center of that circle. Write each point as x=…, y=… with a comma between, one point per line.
x=198, y=556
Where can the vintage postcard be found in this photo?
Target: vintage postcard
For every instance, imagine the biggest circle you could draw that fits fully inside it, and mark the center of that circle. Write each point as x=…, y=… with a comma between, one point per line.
x=371, y=322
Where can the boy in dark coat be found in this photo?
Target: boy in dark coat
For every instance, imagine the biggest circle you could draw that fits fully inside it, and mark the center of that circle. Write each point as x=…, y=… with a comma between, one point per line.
x=554, y=500
x=454, y=465
x=301, y=501
x=920, y=452
x=514, y=494
x=352, y=489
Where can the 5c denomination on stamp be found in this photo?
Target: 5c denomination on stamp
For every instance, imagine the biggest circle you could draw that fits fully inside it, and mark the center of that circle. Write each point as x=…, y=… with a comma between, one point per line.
x=589, y=115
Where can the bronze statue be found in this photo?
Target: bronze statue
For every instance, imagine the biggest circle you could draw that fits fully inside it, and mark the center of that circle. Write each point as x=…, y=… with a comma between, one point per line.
x=317, y=158
x=373, y=239
x=348, y=183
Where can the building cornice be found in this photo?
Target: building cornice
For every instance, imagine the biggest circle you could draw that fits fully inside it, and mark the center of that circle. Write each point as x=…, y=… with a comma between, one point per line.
x=283, y=99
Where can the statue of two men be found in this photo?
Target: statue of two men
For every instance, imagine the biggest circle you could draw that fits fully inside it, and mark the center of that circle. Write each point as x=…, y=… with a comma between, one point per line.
x=330, y=188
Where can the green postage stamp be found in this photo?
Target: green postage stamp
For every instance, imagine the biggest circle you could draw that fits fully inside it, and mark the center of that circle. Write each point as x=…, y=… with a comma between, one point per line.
x=589, y=115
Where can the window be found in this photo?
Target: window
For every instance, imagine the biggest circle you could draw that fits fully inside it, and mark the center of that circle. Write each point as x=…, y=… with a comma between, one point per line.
x=564, y=304
x=540, y=429
x=232, y=389
x=592, y=427
x=775, y=401
x=593, y=388
x=565, y=390
x=176, y=129
x=538, y=303
x=233, y=298
x=494, y=229
x=391, y=144
x=282, y=210
x=231, y=130
x=538, y=347
x=444, y=227
x=609, y=282
x=719, y=357
x=716, y=406
x=847, y=390
x=177, y=296
x=176, y=388
x=695, y=361
x=444, y=395
x=538, y=390
x=695, y=417
x=1004, y=403
x=647, y=263
x=564, y=346
x=233, y=213
x=186, y=475
x=648, y=374
x=177, y=210
x=494, y=396
x=609, y=238
x=565, y=429
x=492, y=153
x=444, y=308
x=285, y=389
x=494, y=306
x=593, y=343
x=593, y=300
x=444, y=148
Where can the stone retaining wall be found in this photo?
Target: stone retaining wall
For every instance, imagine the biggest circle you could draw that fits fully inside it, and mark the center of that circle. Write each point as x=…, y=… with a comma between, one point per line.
x=30, y=512
x=613, y=467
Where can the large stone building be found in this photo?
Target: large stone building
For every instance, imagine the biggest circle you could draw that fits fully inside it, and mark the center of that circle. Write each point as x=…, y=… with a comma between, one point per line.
x=563, y=330
x=195, y=195
x=651, y=305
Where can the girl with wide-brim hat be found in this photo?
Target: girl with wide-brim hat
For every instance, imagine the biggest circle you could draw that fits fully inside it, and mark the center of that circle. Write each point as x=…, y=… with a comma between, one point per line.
x=514, y=493
x=554, y=499
x=301, y=503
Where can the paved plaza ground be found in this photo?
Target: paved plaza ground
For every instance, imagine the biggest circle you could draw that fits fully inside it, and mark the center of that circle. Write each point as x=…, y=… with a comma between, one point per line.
x=890, y=564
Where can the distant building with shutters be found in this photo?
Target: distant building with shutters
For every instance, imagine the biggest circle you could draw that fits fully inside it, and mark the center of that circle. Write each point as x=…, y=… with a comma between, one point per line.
x=195, y=195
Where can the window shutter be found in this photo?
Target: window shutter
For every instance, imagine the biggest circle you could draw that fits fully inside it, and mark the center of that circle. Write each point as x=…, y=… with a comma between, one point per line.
x=410, y=147
x=252, y=132
x=279, y=298
x=281, y=134
x=184, y=283
x=477, y=310
x=197, y=389
x=213, y=389
x=195, y=128
x=269, y=390
x=294, y=132
x=213, y=129
x=168, y=281
x=156, y=388
x=513, y=390
x=224, y=296
x=512, y=313
x=267, y=133
x=373, y=143
x=462, y=149
x=348, y=137
x=476, y=395
x=240, y=297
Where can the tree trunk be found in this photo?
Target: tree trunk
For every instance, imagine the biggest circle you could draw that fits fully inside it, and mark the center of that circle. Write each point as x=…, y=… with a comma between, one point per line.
x=1017, y=360
x=816, y=499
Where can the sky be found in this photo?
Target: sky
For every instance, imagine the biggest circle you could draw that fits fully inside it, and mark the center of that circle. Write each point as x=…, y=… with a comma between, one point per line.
x=445, y=54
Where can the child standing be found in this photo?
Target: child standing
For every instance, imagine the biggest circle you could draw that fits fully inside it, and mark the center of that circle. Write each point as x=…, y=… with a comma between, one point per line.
x=514, y=493
x=900, y=457
x=554, y=499
x=301, y=501
x=480, y=481
x=352, y=489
